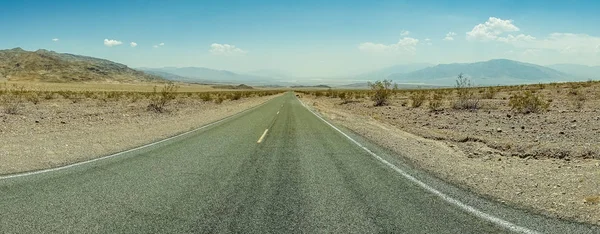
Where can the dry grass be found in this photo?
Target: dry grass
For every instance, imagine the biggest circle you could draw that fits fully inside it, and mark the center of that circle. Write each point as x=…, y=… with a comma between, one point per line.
x=109, y=87
x=525, y=98
x=13, y=95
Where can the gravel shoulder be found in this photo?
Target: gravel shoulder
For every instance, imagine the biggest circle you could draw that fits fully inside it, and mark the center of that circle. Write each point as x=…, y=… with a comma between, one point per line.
x=60, y=131
x=565, y=187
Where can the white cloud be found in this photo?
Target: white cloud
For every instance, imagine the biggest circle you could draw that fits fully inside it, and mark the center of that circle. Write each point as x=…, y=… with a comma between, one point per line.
x=450, y=36
x=161, y=44
x=133, y=44
x=428, y=41
x=521, y=37
x=225, y=49
x=566, y=43
x=491, y=29
x=111, y=43
x=55, y=39
x=404, y=33
x=406, y=44
x=155, y=46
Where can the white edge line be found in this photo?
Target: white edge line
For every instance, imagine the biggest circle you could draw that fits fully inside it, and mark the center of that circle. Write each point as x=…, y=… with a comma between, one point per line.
x=480, y=214
x=126, y=151
x=263, y=136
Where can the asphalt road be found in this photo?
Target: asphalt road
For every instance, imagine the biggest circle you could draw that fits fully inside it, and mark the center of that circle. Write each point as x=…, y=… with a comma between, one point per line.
x=300, y=176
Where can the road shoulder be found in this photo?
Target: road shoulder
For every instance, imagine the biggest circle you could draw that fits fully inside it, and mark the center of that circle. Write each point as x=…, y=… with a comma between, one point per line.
x=524, y=183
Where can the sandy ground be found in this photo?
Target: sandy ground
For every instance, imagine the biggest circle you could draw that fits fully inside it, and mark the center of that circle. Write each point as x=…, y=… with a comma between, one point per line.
x=59, y=132
x=526, y=174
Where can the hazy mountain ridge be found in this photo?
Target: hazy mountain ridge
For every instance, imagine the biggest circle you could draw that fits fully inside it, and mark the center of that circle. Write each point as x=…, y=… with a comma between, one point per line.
x=208, y=75
x=492, y=72
x=191, y=74
x=50, y=66
x=583, y=71
x=396, y=69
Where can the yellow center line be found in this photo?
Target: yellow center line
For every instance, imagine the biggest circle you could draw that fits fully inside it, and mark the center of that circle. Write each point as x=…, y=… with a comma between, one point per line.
x=263, y=136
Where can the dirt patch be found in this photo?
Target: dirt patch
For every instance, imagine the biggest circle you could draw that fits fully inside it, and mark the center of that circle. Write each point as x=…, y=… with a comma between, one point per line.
x=489, y=152
x=62, y=131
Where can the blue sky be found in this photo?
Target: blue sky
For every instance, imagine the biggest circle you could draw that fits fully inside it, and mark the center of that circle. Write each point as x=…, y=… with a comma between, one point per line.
x=307, y=38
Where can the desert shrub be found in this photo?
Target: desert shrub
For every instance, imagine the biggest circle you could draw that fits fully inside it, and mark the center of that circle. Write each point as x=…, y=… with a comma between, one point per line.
x=12, y=98
x=436, y=101
x=205, y=97
x=381, y=92
x=541, y=86
x=219, y=99
x=467, y=99
x=318, y=94
x=418, y=98
x=48, y=95
x=33, y=97
x=135, y=97
x=235, y=96
x=346, y=97
x=490, y=93
x=588, y=83
x=527, y=102
x=577, y=98
x=159, y=100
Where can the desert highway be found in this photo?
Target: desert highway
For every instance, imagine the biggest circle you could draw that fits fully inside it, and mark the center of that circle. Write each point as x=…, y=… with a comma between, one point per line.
x=277, y=168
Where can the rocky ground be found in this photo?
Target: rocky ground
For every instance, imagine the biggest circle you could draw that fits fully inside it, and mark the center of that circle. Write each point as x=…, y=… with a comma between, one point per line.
x=62, y=131
x=548, y=161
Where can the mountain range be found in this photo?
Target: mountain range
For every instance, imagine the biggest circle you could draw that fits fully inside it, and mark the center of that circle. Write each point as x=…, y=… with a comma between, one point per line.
x=207, y=75
x=583, y=71
x=396, y=69
x=49, y=66
x=492, y=72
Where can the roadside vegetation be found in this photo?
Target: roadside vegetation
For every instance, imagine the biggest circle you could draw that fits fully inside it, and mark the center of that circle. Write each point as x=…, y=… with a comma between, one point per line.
x=565, y=114
x=381, y=92
x=14, y=97
x=466, y=96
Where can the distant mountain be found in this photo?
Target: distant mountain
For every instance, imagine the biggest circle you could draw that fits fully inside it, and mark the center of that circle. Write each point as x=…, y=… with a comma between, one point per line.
x=385, y=72
x=365, y=85
x=492, y=72
x=583, y=71
x=241, y=86
x=269, y=73
x=49, y=66
x=311, y=86
x=207, y=75
x=173, y=77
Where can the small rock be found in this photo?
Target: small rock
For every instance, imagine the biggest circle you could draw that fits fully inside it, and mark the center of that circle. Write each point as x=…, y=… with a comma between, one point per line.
x=508, y=115
x=37, y=121
x=63, y=122
x=499, y=130
x=522, y=127
x=561, y=133
x=573, y=121
x=574, y=126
